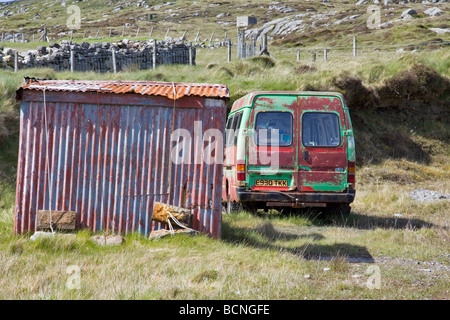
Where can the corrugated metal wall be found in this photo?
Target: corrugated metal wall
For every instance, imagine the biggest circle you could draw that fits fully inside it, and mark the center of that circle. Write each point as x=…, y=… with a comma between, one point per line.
x=110, y=163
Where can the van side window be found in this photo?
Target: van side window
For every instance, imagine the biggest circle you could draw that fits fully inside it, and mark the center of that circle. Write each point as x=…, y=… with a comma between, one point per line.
x=228, y=132
x=232, y=129
x=236, y=127
x=270, y=124
x=320, y=129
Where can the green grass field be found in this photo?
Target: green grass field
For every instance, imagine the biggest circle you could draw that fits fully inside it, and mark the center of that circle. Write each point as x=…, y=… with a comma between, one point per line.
x=402, y=141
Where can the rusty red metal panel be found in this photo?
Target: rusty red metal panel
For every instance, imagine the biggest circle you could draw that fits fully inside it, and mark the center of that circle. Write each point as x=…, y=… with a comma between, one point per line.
x=111, y=162
x=152, y=88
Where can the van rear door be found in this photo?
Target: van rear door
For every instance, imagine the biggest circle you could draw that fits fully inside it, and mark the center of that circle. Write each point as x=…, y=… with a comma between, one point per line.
x=272, y=167
x=322, y=144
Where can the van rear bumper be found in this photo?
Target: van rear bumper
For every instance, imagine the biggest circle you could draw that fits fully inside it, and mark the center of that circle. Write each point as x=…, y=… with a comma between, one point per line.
x=294, y=198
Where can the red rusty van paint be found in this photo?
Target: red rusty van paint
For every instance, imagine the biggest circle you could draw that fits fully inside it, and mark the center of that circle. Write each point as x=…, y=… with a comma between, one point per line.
x=102, y=149
x=311, y=164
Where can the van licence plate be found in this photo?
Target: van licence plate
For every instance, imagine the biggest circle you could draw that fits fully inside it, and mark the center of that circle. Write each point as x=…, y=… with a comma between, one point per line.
x=271, y=183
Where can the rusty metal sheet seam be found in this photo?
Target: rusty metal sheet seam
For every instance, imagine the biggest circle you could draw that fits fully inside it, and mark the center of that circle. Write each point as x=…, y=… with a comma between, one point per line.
x=49, y=175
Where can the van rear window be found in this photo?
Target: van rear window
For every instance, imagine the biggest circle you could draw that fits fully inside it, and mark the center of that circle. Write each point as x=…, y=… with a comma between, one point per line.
x=270, y=124
x=320, y=129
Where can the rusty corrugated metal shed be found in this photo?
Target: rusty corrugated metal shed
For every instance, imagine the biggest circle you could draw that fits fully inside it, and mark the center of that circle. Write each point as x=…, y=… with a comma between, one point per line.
x=106, y=155
x=151, y=88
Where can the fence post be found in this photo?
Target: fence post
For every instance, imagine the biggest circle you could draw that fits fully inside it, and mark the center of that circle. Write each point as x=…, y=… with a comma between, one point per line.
x=238, y=51
x=210, y=39
x=298, y=54
x=16, y=61
x=167, y=33
x=325, y=54
x=71, y=35
x=33, y=37
x=197, y=37
x=137, y=33
x=265, y=47
x=84, y=34
x=314, y=56
x=154, y=54
x=123, y=31
x=98, y=31
x=151, y=31
x=184, y=36
x=190, y=54
x=229, y=51
x=72, y=61
x=354, y=46
x=114, y=60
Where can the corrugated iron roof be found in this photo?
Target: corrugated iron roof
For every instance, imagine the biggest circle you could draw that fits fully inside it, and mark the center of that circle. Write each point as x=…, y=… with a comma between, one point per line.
x=165, y=89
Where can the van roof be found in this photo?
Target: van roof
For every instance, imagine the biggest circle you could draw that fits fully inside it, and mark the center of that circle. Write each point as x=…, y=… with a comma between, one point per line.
x=247, y=100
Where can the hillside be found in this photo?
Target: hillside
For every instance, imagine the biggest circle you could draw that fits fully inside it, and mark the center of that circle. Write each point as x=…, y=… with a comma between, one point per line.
x=293, y=23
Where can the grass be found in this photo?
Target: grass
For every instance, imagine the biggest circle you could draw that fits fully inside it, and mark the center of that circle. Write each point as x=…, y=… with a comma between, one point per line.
x=401, y=145
x=260, y=256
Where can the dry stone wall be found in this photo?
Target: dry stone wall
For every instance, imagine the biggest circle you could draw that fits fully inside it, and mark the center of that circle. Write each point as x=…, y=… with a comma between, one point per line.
x=98, y=56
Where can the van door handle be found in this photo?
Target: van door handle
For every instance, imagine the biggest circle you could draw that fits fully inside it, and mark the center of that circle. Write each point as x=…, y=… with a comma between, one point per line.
x=305, y=155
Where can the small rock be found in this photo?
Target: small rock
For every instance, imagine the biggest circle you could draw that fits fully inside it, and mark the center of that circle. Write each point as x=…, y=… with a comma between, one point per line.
x=410, y=12
x=108, y=241
x=157, y=234
x=433, y=12
x=41, y=234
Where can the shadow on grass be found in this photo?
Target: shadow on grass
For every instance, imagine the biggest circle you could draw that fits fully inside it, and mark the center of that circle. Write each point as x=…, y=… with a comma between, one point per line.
x=354, y=220
x=366, y=222
x=266, y=236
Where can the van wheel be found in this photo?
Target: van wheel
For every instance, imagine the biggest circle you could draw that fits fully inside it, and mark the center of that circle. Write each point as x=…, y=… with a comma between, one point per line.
x=229, y=203
x=232, y=206
x=340, y=209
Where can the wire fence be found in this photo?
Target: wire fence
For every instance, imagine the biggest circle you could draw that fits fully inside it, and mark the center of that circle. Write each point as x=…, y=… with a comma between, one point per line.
x=116, y=61
x=339, y=52
x=104, y=60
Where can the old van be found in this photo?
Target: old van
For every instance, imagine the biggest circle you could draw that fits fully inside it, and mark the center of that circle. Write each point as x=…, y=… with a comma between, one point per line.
x=289, y=150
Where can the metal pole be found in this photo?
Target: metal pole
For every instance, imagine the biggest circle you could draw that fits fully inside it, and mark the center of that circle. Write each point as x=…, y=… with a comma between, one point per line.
x=16, y=61
x=354, y=46
x=325, y=54
x=154, y=54
x=190, y=54
x=114, y=60
x=298, y=54
x=72, y=61
x=229, y=51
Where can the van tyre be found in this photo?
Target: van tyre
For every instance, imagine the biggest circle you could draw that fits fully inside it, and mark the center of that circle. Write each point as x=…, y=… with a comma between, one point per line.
x=232, y=206
x=339, y=209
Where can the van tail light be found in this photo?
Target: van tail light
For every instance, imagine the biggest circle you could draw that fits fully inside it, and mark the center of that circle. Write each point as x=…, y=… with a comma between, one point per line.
x=351, y=174
x=241, y=172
